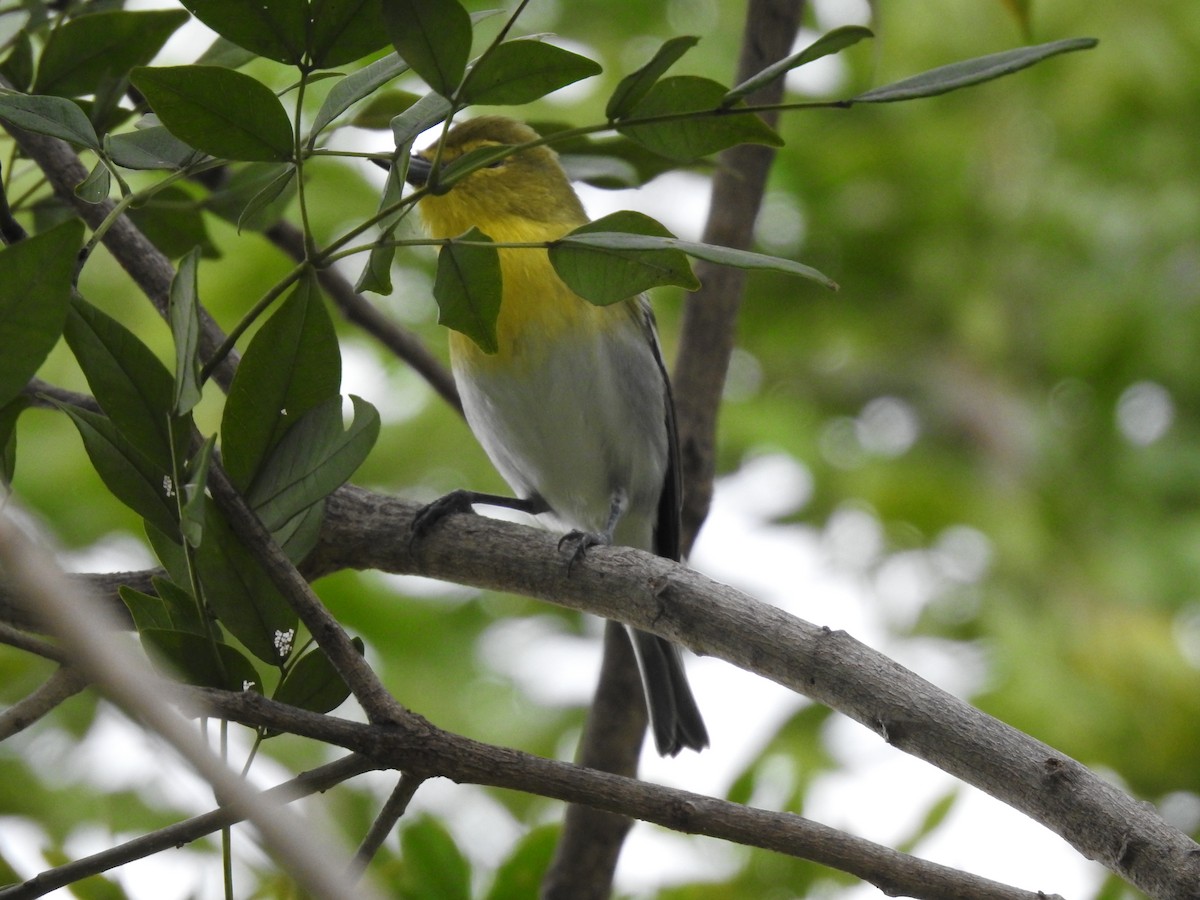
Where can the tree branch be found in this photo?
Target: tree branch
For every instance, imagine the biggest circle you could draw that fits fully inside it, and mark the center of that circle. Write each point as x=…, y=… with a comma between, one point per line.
x=60, y=686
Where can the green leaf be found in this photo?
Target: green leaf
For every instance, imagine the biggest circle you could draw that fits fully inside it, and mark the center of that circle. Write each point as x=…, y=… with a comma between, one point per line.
x=422, y=115
x=957, y=75
x=726, y=256
x=345, y=30
x=376, y=275
x=467, y=289
x=220, y=111
x=147, y=610
x=602, y=273
x=128, y=473
x=267, y=206
x=433, y=36
x=313, y=683
x=434, y=867
x=131, y=385
x=521, y=874
x=240, y=200
x=173, y=220
x=194, y=660
x=150, y=148
x=183, y=314
x=378, y=113
x=8, y=438
x=275, y=29
x=18, y=67
x=292, y=364
x=35, y=287
x=241, y=594
x=95, y=187
x=934, y=816
x=299, y=535
x=833, y=42
x=518, y=72
x=357, y=86
x=168, y=547
x=634, y=86
x=54, y=116
x=85, y=50
x=192, y=512
x=172, y=609
x=314, y=458
x=689, y=138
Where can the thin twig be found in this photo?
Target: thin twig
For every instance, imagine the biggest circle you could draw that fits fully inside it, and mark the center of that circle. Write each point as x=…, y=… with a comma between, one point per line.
x=393, y=809
x=60, y=686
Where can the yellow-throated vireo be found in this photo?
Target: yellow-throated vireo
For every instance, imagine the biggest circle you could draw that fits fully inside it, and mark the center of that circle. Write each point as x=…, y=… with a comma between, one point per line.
x=574, y=409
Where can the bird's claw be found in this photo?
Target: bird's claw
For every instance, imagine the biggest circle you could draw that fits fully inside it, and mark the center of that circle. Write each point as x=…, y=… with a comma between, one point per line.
x=428, y=516
x=583, y=541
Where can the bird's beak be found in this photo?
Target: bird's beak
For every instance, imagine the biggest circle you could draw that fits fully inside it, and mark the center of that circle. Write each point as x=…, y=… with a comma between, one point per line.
x=419, y=170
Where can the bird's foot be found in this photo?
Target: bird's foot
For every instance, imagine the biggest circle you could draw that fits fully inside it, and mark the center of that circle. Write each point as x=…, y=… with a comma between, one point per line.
x=428, y=516
x=583, y=541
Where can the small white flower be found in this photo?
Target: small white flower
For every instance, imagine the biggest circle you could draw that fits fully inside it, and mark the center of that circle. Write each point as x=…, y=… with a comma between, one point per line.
x=168, y=486
x=283, y=412
x=246, y=685
x=283, y=642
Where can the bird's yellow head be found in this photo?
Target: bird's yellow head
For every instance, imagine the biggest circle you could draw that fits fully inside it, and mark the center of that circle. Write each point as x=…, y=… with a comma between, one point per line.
x=525, y=196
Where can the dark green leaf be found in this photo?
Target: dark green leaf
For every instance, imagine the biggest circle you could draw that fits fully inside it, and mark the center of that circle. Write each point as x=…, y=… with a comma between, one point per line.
x=313, y=459
x=147, y=611
x=609, y=162
x=173, y=220
x=275, y=29
x=292, y=364
x=519, y=72
x=35, y=286
x=128, y=473
x=54, y=116
x=689, y=138
x=376, y=275
x=934, y=816
x=521, y=874
x=195, y=660
x=151, y=148
x=299, y=535
x=8, y=437
x=180, y=604
x=833, y=42
x=422, y=115
x=434, y=867
x=220, y=111
x=379, y=112
x=183, y=313
x=467, y=289
x=95, y=187
x=314, y=684
x=726, y=256
x=957, y=75
x=345, y=30
x=132, y=386
x=88, y=49
x=18, y=68
x=241, y=594
x=267, y=206
x=603, y=273
x=434, y=37
x=634, y=86
x=226, y=54
x=168, y=547
x=192, y=511
x=356, y=86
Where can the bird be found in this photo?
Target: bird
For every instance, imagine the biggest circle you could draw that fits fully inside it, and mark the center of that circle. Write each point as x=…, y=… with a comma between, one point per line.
x=574, y=409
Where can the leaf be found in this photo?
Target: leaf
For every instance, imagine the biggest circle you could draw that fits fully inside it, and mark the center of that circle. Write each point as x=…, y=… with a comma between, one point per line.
x=378, y=113
x=85, y=50
x=518, y=72
x=241, y=594
x=150, y=148
x=248, y=186
x=292, y=364
x=95, y=187
x=600, y=272
x=521, y=874
x=345, y=30
x=193, y=509
x=313, y=683
x=434, y=37
x=376, y=275
x=147, y=611
x=421, y=116
x=173, y=220
x=468, y=287
x=128, y=473
x=222, y=112
x=35, y=287
x=172, y=609
x=267, y=206
x=957, y=75
x=357, y=86
x=54, y=116
x=299, y=535
x=634, y=86
x=688, y=138
x=275, y=29
x=726, y=256
x=133, y=388
x=314, y=458
x=434, y=867
x=832, y=42
x=8, y=438
x=195, y=660
x=183, y=314
x=934, y=816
